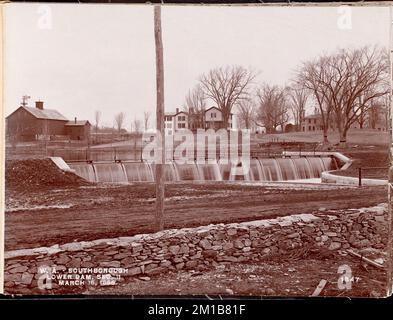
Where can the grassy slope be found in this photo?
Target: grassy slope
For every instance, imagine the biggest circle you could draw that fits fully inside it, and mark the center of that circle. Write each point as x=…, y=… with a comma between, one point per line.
x=355, y=136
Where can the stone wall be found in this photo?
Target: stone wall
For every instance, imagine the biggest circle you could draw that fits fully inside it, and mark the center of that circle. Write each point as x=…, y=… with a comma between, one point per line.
x=199, y=248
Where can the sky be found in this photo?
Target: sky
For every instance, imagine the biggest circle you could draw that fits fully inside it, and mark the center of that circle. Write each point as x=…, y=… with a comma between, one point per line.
x=79, y=58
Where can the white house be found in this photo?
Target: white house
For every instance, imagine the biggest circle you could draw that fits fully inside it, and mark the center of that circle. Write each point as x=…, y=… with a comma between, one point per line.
x=175, y=121
x=181, y=120
x=169, y=123
x=214, y=119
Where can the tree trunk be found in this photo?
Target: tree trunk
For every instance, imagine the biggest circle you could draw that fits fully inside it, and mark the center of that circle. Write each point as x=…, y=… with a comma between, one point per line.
x=225, y=118
x=343, y=135
x=325, y=136
x=160, y=169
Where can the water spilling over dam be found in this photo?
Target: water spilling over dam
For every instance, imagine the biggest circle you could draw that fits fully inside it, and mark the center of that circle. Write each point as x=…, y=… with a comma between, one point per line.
x=267, y=169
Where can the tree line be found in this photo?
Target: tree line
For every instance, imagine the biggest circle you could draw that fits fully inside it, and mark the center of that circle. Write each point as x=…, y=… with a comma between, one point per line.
x=135, y=125
x=345, y=87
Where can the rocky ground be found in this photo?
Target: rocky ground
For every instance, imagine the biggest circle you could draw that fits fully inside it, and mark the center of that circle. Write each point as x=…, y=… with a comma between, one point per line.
x=275, y=278
x=32, y=174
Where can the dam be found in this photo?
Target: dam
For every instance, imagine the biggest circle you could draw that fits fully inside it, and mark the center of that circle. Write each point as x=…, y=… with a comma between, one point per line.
x=264, y=169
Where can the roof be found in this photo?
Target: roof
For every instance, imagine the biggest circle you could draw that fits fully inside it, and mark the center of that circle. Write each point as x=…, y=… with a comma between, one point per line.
x=48, y=114
x=173, y=114
x=214, y=107
x=181, y=112
x=77, y=123
x=313, y=116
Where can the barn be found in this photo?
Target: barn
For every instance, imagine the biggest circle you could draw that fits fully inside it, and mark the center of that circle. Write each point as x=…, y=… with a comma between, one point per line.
x=78, y=129
x=31, y=124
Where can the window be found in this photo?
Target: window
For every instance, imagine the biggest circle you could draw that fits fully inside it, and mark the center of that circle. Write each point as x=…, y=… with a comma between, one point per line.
x=181, y=125
x=181, y=118
x=169, y=125
x=170, y=132
x=213, y=115
x=309, y=128
x=309, y=120
x=315, y=120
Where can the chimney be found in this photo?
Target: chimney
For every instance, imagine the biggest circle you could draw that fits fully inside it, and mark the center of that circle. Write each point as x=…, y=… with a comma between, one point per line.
x=177, y=110
x=39, y=105
x=75, y=120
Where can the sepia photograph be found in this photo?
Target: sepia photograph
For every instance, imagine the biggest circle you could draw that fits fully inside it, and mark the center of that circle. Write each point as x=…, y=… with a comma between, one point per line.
x=197, y=150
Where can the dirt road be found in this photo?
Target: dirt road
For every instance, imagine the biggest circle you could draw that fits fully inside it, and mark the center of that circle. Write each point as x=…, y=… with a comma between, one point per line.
x=88, y=213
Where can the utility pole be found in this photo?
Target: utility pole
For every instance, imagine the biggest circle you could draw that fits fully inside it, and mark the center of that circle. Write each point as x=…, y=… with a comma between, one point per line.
x=160, y=134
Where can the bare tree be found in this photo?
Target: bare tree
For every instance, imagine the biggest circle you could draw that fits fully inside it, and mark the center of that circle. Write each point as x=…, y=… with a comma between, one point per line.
x=272, y=108
x=119, y=120
x=137, y=125
x=97, y=118
x=309, y=77
x=146, y=118
x=195, y=99
x=227, y=86
x=246, y=113
x=297, y=97
x=349, y=80
x=356, y=78
x=195, y=105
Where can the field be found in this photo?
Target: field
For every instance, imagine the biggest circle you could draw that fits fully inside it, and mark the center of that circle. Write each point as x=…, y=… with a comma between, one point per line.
x=355, y=137
x=42, y=217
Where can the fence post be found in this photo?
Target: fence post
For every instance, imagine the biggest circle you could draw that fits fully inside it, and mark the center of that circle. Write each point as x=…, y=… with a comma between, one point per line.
x=360, y=176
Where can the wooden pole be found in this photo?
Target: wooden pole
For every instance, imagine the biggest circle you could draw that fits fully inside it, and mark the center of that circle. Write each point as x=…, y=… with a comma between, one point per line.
x=160, y=159
x=360, y=176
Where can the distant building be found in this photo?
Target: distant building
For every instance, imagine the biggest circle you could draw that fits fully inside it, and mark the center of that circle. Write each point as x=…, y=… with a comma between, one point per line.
x=290, y=127
x=78, y=129
x=180, y=120
x=169, y=123
x=312, y=123
x=375, y=119
x=30, y=124
x=215, y=120
x=210, y=119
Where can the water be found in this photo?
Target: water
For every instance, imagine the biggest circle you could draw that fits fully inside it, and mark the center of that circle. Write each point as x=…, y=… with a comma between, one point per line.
x=270, y=169
x=110, y=172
